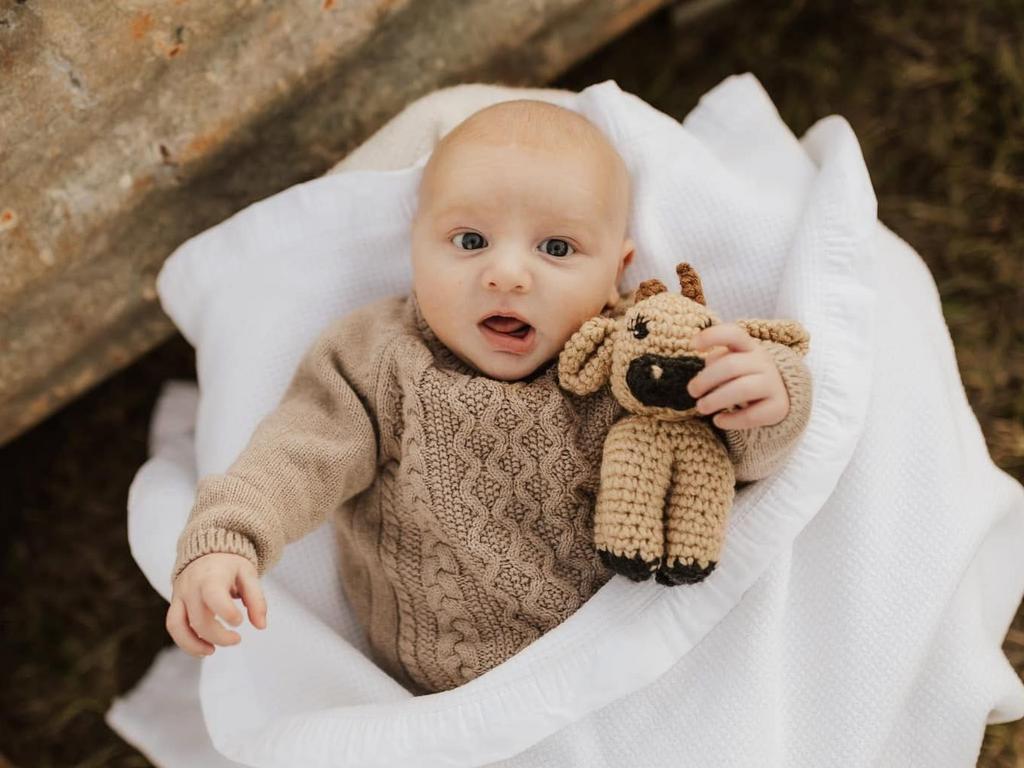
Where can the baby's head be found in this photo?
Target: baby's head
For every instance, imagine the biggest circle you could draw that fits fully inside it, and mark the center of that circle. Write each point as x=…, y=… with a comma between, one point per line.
x=522, y=210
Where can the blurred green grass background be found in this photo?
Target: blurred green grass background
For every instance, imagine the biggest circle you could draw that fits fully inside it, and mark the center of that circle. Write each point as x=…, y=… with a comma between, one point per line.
x=935, y=93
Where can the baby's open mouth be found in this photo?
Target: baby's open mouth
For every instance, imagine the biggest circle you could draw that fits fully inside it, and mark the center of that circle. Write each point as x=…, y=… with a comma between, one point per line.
x=510, y=326
x=508, y=334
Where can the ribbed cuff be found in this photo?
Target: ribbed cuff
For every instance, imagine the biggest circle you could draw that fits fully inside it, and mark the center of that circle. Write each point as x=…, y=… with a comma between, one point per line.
x=209, y=540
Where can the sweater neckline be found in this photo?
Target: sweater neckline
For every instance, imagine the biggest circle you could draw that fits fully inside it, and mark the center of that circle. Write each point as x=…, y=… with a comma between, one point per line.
x=448, y=360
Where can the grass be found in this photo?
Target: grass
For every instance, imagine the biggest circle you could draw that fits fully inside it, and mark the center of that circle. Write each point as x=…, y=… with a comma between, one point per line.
x=936, y=97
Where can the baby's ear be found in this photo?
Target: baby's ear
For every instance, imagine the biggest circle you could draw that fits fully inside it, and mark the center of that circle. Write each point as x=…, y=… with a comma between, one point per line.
x=585, y=362
x=788, y=332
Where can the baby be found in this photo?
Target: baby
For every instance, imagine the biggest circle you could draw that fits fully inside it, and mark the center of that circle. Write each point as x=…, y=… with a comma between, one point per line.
x=430, y=428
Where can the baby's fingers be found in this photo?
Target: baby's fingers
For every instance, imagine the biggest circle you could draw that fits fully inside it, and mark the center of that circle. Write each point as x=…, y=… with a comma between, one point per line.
x=252, y=596
x=206, y=625
x=183, y=634
x=763, y=412
x=221, y=603
x=730, y=335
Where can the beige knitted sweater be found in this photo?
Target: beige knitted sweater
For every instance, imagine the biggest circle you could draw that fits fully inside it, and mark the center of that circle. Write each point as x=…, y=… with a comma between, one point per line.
x=462, y=504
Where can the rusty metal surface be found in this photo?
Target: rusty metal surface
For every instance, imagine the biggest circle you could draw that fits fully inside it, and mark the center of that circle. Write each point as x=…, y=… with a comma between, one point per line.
x=127, y=126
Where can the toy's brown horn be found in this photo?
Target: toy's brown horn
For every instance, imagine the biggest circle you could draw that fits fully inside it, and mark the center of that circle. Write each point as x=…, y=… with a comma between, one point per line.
x=649, y=288
x=689, y=283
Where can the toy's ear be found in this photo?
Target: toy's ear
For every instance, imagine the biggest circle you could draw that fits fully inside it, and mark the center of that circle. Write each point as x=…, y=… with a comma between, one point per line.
x=788, y=332
x=585, y=362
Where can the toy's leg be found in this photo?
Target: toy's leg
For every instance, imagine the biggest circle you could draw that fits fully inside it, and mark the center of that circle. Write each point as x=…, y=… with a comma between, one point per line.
x=629, y=515
x=696, y=511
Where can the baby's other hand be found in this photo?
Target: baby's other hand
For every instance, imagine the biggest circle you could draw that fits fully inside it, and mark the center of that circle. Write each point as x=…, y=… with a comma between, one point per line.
x=203, y=591
x=740, y=376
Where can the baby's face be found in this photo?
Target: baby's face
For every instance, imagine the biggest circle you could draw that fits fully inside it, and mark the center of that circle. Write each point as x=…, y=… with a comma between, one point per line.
x=526, y=230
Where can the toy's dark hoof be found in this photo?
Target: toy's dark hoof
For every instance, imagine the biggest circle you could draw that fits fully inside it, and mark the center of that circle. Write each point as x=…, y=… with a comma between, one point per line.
x=674, y=575
x=634, y=568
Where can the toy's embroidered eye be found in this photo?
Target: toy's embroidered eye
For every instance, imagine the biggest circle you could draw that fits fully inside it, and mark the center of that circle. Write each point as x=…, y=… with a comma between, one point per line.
x=471, y=240
x=560, y=248
x=639, y=327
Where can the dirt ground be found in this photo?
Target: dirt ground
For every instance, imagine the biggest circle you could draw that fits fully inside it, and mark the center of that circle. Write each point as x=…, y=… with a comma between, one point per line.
x=937, y=100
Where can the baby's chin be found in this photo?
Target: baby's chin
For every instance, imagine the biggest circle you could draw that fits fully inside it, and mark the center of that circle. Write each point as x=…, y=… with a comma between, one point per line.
x=504, y=365
x=508, y=367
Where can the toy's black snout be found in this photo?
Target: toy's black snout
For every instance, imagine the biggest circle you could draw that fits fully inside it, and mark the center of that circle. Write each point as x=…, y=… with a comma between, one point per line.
x=657, y=380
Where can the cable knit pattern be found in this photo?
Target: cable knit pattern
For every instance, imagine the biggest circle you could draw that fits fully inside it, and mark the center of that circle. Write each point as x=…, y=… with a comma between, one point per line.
x=464, y=516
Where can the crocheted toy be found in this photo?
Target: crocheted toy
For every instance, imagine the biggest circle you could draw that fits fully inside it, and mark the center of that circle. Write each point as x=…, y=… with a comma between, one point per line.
x=667, y=483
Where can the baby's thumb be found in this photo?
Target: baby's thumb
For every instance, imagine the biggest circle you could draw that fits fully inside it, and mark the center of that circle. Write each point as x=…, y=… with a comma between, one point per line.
x=252, y=596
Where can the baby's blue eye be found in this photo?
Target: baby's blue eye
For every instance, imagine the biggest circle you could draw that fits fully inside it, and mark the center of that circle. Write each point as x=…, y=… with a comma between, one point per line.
x=471, y=241
x=560, y=248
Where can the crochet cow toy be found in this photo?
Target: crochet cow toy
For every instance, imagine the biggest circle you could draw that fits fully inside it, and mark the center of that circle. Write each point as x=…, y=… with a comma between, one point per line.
x=667, y=483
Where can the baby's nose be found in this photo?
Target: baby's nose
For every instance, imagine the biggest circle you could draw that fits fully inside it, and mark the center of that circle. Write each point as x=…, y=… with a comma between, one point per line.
x=508, y=272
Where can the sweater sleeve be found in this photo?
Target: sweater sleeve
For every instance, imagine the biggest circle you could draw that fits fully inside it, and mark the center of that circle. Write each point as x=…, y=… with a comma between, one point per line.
x=315, y=451
x=757, y=452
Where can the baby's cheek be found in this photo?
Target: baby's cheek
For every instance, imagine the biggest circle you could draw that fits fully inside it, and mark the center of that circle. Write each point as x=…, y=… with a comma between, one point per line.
x=559, y=337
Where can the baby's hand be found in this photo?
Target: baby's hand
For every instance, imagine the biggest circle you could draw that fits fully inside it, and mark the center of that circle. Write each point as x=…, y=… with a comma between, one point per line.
x=742, y=373
x=206, y=587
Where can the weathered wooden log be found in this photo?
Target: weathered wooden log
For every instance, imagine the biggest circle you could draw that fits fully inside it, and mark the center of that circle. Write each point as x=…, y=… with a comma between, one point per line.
x=127, y=127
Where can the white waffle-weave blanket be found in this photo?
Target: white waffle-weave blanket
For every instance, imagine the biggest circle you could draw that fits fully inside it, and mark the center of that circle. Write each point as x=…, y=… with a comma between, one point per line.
x=857, y=614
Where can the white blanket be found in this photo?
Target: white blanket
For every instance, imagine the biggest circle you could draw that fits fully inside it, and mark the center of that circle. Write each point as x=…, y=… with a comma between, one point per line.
x=857, y=614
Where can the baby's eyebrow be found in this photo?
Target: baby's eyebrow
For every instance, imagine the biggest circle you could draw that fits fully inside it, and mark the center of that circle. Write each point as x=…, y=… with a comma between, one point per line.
x=572, y=221
x=551, y=219
x=456, y=210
